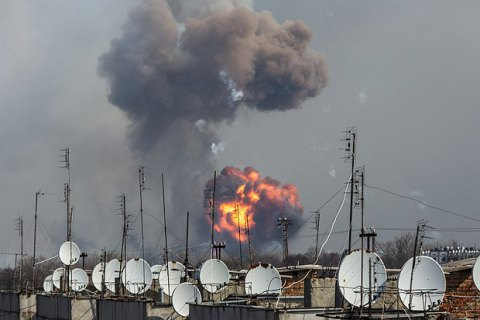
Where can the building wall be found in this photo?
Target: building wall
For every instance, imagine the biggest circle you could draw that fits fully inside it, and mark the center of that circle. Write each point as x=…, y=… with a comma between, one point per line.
x=28, y=306
x=462, y=298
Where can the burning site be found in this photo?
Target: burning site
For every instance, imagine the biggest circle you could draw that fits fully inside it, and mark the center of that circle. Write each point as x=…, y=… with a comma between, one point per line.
x=181, y=68
x=247, y=202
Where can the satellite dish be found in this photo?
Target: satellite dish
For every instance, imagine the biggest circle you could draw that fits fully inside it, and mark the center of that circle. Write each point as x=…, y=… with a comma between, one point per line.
x=214, y=275
x=48, y=284
x=184, y=294
x=97, y=275
x=263, y=279
x=424, y=288
x=169, y=281
x=69, y=253
x=355, y=274
x=78, y=280
x=137, y=276
x=156, y=271
x=113, y=271
x=57, y=277
x=476, y=273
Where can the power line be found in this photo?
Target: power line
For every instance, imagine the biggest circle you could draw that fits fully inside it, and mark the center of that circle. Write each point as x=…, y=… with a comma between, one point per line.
x=423, y=203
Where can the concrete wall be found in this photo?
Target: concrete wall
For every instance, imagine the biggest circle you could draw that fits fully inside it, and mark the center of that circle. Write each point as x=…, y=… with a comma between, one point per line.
x=28, y=306
x=84, y=308
x=319, y=292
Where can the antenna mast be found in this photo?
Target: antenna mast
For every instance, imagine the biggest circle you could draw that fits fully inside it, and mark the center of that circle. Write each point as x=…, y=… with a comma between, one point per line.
x=20, y=233
x=212, y=213
x=350, y=144
x=283, y=224
x=123, y=209
x=65, y=160
x=247, y=232
x=165, y=231
x=237, y=212
x=186, y=247
x=316, y=222
x=141, y=184
x=37, y=194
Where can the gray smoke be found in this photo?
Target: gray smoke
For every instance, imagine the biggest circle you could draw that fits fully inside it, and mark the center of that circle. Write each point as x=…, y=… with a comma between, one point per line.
x=182, y=66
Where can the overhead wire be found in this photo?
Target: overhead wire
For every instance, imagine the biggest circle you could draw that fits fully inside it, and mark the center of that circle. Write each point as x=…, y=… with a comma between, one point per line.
x=323, y=244
x=423, y=203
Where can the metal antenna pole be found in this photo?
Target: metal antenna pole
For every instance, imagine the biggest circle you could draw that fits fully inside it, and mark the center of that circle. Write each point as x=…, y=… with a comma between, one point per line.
x=283, y=224
x=237, y=212
x=316, y=221
x=37, y=194
x=360, y=201
x=212, y=213
x=186, y=247
x=352, y=137
x=65, y=159
x=20, y=233
x=166, y=238
x=141, y=181
x=123, y=251
x=249, y=242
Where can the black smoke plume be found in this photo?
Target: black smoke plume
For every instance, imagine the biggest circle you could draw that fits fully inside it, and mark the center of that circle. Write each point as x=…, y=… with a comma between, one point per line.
x=181, y=67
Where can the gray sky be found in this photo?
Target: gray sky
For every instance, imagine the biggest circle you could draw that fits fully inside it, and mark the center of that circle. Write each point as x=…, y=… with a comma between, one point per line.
x=403, y=72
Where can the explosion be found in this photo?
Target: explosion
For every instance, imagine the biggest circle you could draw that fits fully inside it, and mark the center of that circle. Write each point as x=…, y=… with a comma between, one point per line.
x=245, y=199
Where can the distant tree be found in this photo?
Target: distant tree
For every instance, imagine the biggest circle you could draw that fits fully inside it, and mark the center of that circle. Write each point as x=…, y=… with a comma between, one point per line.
x=396, y=252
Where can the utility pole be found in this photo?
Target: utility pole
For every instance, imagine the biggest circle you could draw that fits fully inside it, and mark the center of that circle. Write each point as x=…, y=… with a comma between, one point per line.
x=37, y=195
x=20, y=233
x=350, y=144
x=283, y=224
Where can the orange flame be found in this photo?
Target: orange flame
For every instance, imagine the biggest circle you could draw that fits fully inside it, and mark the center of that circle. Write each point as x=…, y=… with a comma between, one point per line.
x=252, y=199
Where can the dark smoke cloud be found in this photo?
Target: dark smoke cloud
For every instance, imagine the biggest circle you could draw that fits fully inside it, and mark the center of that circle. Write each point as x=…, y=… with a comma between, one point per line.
x=158, y=76
x=180, y=67
x=276, y=200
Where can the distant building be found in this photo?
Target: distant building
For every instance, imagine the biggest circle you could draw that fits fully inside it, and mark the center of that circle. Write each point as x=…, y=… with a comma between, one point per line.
x=450, y=254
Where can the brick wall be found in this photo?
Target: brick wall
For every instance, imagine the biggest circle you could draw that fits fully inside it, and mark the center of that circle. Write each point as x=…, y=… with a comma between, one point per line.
x=462, y=298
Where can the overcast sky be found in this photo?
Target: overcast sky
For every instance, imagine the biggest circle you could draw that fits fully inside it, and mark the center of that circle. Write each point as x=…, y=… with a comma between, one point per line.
x=405, y=73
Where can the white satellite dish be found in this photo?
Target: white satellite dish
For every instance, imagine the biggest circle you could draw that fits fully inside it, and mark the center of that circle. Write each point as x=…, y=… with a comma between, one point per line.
x=424, y=288
x=97, y=275
x=113, y=271
x=78, y=280
x=184, y=294
x=169, y=281
x=214, y=275
x=48, y=284
x=137, y=276
x=69, y=253
x=156, y=268
x=57, y=277
x=476, y=273
x=263, y=279
x=361, y=281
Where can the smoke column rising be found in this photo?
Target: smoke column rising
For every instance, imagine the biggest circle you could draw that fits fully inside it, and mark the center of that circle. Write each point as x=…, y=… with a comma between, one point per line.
x=181, y=67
